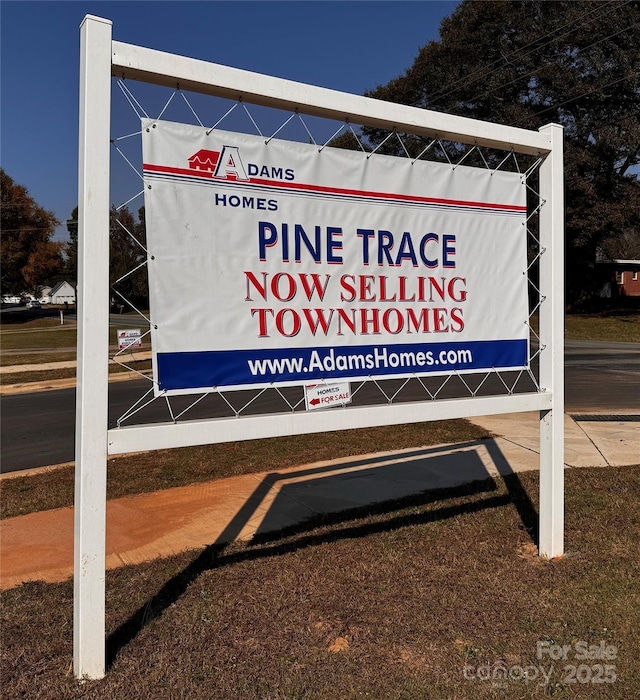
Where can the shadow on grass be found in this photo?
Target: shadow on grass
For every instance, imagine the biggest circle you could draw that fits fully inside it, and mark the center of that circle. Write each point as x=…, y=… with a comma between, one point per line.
x=275, y=538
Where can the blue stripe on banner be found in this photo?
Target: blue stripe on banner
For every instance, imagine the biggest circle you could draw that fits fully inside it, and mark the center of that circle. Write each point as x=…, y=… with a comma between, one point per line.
x=208, y=369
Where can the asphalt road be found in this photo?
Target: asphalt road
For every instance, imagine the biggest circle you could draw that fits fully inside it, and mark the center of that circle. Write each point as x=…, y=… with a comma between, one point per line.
x=37, y=429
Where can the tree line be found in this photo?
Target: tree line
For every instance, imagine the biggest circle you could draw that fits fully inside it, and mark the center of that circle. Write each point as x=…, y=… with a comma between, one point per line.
x=31, y=260
x=528, y=63
x=127, y=241
x=29, y=257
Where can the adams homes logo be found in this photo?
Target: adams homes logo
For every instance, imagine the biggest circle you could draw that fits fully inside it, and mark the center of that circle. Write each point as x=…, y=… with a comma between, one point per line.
x=227, y=164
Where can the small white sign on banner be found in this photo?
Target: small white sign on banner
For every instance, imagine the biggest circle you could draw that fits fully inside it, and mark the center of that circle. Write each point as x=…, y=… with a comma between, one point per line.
x=327, y=395
x=129, y=338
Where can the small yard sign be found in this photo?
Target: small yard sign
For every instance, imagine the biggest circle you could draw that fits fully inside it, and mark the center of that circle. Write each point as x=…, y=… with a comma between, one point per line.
x=129, y=338
x=327, y=395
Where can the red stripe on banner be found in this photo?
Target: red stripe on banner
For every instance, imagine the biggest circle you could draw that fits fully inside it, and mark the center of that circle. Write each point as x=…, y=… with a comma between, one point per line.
x=177, y=171
x=337, y=190
x=385, y=195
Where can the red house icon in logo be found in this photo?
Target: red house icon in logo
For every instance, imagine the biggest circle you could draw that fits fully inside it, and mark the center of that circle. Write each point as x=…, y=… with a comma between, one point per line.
x=204, y=160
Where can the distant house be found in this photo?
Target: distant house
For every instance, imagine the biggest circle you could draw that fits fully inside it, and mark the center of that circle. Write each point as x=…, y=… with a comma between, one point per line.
x=44, y=295
x=62, y=293
x=620, y=277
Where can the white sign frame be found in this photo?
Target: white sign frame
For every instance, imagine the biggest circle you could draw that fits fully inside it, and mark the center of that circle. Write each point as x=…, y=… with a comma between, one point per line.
x=101, y=58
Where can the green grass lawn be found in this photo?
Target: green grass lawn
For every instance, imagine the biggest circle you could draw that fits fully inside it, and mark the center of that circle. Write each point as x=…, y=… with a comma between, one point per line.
x=417, y=599
x=436, y=597
x=47, y=375
x=38, y=339
x=29, y=358
x=624, y=328
x=30, y=340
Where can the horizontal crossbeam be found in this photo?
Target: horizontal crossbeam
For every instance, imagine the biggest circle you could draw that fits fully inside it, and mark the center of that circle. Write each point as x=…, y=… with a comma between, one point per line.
x=160, y=436
x=170, y=70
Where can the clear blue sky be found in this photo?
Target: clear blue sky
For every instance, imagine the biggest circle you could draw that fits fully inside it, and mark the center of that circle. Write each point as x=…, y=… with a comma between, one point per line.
x=351, y=46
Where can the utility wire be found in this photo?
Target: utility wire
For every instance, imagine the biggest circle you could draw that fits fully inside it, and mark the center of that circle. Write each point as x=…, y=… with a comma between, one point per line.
x=551, y=63
x=482, y=73
x=590, y=92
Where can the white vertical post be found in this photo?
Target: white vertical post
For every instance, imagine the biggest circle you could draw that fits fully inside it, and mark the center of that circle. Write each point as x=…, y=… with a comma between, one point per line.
x=551, y=532
x=93, y=349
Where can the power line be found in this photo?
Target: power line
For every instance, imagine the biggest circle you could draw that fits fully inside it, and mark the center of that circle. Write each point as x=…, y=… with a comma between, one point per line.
x=590, y=92
x=481, y=73
x=551, y=63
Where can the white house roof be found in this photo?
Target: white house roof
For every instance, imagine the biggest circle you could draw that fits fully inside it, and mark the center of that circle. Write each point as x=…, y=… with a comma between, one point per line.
x=58, y=287
x=619, y=261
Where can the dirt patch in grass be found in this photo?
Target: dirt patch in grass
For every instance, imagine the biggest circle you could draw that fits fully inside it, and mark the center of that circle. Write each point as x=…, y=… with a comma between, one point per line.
x=435, y=597
x=163, y=469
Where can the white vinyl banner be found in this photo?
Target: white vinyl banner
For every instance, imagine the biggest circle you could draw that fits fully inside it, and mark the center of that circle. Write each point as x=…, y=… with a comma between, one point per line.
x=283, y=263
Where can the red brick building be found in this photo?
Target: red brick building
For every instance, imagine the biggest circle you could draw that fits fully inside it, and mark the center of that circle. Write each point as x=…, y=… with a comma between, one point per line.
x=620, y=277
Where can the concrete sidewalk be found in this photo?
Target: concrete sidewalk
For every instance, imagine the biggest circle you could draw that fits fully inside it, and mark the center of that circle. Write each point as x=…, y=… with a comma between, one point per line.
x=39, y=546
